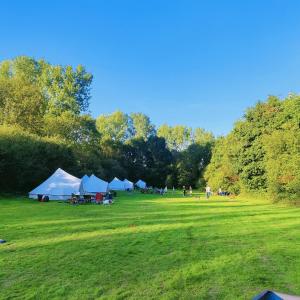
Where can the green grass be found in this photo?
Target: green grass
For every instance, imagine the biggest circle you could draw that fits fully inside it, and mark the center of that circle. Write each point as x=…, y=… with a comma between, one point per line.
x=148, y=247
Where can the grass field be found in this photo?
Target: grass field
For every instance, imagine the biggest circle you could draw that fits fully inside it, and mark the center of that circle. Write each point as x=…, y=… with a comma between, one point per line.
x=148, y=247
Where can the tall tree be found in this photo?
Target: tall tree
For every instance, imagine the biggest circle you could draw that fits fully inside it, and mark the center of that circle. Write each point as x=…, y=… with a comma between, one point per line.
x=140, y=126
x=177, y=137
x=114, y=126
x=200, y=136
x=261, y=151
x=21, y=104
x=149, y=160
x=71, y=127
x=67, y=89
x=63, y=88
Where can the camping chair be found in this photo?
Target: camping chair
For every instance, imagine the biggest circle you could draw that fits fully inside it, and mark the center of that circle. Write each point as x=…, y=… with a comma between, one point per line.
x=98, y=198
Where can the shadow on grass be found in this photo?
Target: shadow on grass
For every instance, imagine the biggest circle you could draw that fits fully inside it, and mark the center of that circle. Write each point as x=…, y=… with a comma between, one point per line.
x=181, y=257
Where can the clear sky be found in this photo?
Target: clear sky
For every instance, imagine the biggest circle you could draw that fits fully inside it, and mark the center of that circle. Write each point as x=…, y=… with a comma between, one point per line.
x=198, y=63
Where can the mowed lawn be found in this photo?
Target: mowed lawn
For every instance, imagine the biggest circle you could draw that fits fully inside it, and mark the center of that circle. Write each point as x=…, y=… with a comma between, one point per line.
x=148, y=247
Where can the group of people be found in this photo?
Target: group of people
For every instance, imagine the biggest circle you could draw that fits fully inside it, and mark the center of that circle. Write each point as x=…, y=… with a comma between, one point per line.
x=185, y=191
x=98, y=198
x=208, y=192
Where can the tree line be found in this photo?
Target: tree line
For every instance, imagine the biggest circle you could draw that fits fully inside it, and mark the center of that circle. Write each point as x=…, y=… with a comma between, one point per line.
x=45, y=123
x=262, y=152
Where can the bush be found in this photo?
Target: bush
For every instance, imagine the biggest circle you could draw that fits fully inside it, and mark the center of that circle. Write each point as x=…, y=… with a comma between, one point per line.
x=26, y=159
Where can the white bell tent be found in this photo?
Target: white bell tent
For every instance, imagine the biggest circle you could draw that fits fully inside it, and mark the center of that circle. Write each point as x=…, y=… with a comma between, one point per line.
x=128, y=184
x=117, y=185
x=141, y=184
x=93, y=185
x=59, y=186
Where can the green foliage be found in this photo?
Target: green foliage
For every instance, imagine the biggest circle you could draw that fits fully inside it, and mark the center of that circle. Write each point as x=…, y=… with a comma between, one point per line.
x=191, y=153
x=202, y=137
x=49, y=103
x=120, y=127
x=261, y=153
x=113, y=127
x=191, y=162
x=177, y=137
x=44, y=88
x=149, y=160
x=71, y=127
x=26, y=159
x=222, y=172
x=21, y=104
x=283, y=165
x=141, y=126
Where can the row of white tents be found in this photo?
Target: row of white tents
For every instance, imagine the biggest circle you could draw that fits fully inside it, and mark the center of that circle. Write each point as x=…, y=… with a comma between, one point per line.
x=61, y=185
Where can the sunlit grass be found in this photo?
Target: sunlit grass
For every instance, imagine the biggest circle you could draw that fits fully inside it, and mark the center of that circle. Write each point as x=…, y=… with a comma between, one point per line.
x=148, y=247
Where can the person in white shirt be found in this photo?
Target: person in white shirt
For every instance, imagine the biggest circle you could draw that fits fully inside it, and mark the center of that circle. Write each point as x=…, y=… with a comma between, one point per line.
x=207, y=191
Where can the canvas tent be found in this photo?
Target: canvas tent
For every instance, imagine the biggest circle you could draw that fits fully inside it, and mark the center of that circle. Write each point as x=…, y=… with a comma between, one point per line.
x=128, y=184
x=141, y=184
x=117, y=185
x=85, y=178
x=93, y=185
x=59, y=186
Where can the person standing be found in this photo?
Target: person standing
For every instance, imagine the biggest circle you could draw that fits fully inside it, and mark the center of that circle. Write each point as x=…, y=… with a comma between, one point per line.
x=191, y=191
x=220, y=192
x=184, y=190
x=207, y=191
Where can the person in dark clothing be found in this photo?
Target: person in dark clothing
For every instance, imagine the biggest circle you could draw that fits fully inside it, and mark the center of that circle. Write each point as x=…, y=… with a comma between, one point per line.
x=184, y=190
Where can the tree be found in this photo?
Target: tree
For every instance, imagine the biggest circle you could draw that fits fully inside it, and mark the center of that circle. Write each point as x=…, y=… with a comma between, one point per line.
x=30, y=159
x=21, y=104
x=72, y=128
x=140, y=126
x=113, y=127
x=282, y=161
x=262, y=151
x=63, y=88
x=201, y=137
x=191, y=163
x=177, y=137
x=149, y=160
x=66, y=89
x=223, y=169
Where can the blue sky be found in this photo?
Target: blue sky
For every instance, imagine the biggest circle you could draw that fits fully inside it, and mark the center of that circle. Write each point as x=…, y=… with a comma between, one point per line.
x=197, y=63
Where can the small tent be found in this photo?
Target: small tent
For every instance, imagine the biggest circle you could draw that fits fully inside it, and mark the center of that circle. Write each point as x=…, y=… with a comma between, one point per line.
x=141, y=184
x=93, y=185
x=128, y=184
x=59, y=186
x=117, y=185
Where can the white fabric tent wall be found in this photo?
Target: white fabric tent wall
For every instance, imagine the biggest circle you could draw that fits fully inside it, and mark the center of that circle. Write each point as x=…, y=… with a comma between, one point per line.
x=85, y=178
x=141, y=184
x=93, y=185
x=128, y=184
x=59, y=186
x=117, y=185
